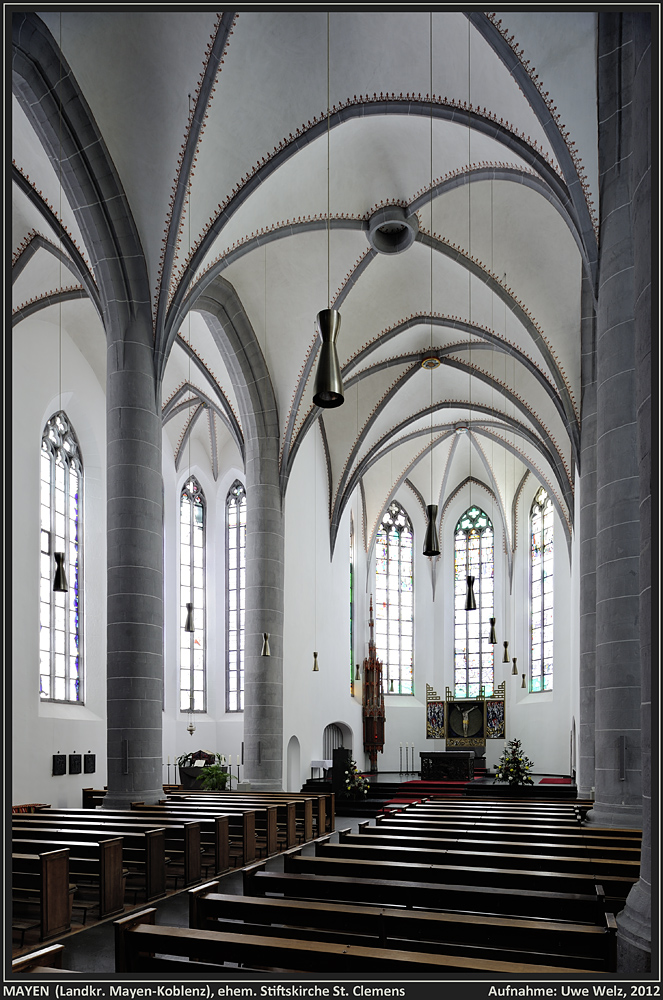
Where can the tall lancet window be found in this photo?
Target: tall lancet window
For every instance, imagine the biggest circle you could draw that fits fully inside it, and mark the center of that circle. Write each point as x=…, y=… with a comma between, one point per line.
x=541, y=591
x=394, y=600
x=60, y=612
x=235, y=591
x=193, y=687
x=473, y=654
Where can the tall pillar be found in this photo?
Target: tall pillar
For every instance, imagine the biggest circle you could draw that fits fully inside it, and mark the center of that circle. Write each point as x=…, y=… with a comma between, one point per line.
x=587, y=529
x=634, y=938
x=617, y=717
x=135, y=569
x=263, y=675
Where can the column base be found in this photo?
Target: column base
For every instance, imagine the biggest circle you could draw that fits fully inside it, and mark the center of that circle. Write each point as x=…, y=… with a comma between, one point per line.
x=634, y=933
x=628, y=817
x=265, y=784
x=123, y=800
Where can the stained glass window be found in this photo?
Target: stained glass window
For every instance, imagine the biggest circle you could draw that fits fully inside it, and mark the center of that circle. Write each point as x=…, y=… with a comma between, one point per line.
x=193, y=693
x=473, y=556
x=61, y=520
x=394, y=600
x=541, y=591
x=235, y=589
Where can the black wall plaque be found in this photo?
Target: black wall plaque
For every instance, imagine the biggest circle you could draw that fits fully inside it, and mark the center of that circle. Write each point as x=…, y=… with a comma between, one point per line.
x=89, y=763
x=74, y=763
x=59, y=763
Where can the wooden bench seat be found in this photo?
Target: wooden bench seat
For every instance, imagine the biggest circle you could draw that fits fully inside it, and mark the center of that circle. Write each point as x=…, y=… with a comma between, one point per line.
x=40, y=881
x=141, y=946
x=44, y=960
x=495, y=855
x=94, y=863
x=511, y=939
x=231, y=835
x=182, y=837
x=446, y=874
x=552, y=905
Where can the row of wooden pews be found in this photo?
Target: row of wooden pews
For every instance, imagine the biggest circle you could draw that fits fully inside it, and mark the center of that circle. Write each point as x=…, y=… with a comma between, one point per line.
x=490, y=886
x=103, y=859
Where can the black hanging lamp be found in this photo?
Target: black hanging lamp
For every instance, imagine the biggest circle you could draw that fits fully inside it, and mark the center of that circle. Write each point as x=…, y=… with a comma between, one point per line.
x=328, y=389
x=431, y=544
x=266, y=651
x=60, y=585
x=514, y=668
x=524, y=683
x=188, y=624
x=492, y=638
x=470, y=600
x=505, y=657
x=316, y=668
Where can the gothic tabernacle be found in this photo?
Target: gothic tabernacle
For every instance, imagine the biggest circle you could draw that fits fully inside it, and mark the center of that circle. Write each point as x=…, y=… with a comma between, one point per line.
x=373, y=710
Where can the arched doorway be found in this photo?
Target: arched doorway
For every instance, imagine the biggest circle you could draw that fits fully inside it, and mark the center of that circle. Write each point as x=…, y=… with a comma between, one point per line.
x=293, y=766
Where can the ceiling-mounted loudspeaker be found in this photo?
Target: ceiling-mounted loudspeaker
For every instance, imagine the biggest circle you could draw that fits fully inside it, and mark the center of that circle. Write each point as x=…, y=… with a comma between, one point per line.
x=431, y=544
x=470, y=600
x=188, y=624
x=60, y=585
x=328, y=389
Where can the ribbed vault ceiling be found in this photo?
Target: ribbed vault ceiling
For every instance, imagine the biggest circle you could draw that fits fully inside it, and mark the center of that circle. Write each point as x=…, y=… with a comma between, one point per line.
x=217, y=127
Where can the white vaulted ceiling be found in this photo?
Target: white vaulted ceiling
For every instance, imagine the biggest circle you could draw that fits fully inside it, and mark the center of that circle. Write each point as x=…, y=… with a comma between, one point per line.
x=491, y=285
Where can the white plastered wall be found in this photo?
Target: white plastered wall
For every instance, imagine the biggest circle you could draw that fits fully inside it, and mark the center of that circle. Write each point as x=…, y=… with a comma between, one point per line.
x=41, y=729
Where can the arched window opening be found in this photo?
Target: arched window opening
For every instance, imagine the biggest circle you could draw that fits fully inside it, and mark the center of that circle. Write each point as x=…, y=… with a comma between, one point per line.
x=235, y=588
x=473, y=556
x=541, y=592
x=61, y=520
x=394, y=600
x=193, y=686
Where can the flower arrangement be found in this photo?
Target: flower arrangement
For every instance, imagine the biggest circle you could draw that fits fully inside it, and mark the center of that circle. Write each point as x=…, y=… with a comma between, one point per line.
x=356, y=785
x=513, y=766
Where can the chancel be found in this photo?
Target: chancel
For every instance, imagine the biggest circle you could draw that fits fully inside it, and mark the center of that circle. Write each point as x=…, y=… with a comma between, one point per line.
x=247, y=534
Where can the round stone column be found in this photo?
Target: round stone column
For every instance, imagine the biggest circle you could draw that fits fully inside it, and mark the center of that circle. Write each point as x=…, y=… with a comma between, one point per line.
x=135, y=570
x=617, y=720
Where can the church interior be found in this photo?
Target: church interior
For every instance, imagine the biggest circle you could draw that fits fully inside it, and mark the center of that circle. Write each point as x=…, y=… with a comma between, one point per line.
x=250, y=527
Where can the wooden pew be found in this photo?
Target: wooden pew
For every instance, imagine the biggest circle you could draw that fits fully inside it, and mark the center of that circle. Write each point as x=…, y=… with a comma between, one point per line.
x=182, y=838
x=586, y=908
x=93, y=857
x=42, y=880
x=141, y=946
x=494, y=853
x=511, y=939
x=452, y=874
x=241, y=823
x=45, y=960
x=481, y=840
x=288, y=811
x=323, y=805
x=93, y=797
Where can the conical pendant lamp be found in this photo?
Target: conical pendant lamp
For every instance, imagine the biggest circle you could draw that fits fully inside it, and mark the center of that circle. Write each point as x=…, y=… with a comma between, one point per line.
x=470, y=600
x=328, y=389
x=60, y=585
x=524, y=683
x=265, y=645
x=514, y=668
x=316, y=668
x=431, y=544
x=505, y=658
x=188, y=624
x=492, y=638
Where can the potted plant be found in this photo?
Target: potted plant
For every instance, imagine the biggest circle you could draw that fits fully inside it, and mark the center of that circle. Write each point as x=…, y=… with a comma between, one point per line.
x=215, y=777
x=355, y=785
x=513, y=766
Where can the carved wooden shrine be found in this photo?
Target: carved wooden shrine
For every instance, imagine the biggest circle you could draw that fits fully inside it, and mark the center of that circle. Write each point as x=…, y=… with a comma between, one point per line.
x=373, y=703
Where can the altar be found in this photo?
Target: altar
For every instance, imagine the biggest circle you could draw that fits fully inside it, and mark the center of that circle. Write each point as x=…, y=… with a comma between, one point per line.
x=447, y=765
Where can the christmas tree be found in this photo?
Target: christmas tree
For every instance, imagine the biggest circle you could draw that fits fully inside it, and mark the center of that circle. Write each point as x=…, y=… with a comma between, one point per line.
x=514, y=766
